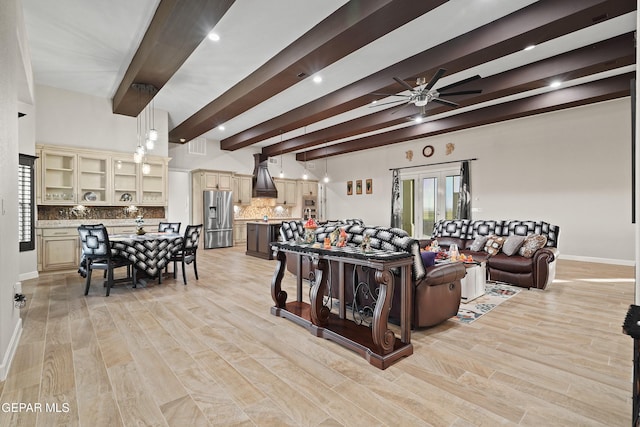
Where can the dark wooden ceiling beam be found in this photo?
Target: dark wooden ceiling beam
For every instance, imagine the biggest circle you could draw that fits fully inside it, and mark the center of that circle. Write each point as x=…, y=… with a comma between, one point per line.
x=352, y=26
x=176, y=30
x=597, y=91
x=598, y=57
x=539, y=22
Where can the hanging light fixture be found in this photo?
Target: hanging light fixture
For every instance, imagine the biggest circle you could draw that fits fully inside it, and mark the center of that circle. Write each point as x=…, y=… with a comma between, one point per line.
x=305, y=174
x=145, y=123
x=326, y=174
x=281, y=165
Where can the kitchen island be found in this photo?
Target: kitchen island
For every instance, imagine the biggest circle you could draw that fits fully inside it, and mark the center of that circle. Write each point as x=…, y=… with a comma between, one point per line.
x=260, y=234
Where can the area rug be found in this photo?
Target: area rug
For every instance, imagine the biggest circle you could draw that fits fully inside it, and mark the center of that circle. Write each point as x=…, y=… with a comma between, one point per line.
x=495, y=294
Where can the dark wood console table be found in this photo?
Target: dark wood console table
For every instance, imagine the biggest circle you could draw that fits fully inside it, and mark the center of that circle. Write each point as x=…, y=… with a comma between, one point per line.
x=377, y=343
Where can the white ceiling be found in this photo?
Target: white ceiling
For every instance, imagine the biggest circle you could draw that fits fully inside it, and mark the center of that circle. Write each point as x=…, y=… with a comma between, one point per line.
x=86, y=46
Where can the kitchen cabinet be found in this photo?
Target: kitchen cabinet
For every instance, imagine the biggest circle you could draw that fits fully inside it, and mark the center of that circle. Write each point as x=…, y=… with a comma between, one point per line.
x=60, y=249
x=309, y=188
x=259, y=237
x=239, y=232
x=287, y=192
x=217, y=180
x=58, y=177
x=242, y=189
x=69, y=176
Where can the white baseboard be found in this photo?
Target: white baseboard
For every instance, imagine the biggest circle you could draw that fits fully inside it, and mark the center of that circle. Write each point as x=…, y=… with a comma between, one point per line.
x=28, y=276
x=11, y=350
x=598, y=260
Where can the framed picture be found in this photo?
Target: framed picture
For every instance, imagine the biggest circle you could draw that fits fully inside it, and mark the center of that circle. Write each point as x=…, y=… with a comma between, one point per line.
x=359, y=186
x=349, y=188
x=369, y=186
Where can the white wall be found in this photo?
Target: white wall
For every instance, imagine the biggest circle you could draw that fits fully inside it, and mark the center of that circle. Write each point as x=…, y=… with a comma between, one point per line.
x=571, y=168
x=13, y=63
x=79, y=120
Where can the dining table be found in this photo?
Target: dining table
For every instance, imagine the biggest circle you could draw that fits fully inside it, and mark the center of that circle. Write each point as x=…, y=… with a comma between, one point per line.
x=150, y=252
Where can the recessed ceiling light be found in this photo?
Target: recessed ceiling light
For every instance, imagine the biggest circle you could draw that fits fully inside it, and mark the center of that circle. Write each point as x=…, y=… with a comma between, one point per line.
x=555, y=84
x=182, y=140
x=531, y=46
x=221, y=127
x=317, y=79
x=213, y=36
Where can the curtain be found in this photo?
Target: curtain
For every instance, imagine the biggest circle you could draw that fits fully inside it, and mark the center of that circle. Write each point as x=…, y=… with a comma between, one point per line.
x=396, y=208
x=464, y=200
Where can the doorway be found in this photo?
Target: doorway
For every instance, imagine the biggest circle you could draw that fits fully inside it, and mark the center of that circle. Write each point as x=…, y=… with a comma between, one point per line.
x=428, y=196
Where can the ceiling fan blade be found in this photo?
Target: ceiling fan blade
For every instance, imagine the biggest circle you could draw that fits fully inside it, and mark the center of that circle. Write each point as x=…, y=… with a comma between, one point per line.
x=461, y=82
x=462, y=92
x=389, y=94
x=403, y=83
x=386, y=103
x=445, y=102
x=434, y=79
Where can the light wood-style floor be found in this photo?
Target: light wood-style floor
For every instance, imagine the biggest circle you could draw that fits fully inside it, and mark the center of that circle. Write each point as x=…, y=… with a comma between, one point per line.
x=212, y=354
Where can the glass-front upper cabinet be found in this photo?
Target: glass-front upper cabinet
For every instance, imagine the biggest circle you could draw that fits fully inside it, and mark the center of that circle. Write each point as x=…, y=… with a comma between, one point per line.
x=93, y=179
x=125, y=180
x=154, y=183
x=58, y=178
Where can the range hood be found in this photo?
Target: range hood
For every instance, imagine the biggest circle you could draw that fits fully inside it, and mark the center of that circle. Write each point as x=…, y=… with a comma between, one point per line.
x=262, y=183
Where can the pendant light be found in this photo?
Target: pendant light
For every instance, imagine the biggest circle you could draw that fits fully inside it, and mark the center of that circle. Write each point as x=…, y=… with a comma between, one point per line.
x=326, y=174
x=305, y=174
x=281, y=165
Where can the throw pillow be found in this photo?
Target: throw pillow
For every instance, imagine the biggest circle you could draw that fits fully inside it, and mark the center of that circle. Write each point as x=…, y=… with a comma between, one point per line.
x=512, y=244
x=478, y=243
x=531, y=244
x=494, y=244
x=428, y=258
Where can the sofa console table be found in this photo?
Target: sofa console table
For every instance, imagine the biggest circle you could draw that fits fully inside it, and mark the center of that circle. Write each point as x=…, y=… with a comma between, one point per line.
x=376, y=343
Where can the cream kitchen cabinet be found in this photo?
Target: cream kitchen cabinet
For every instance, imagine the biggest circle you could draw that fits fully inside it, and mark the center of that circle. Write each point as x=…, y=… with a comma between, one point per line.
x=309, y=188
x=69, y=176
x=287, y=192
x=58, y=177
x=217, y=180
x=242, y=189
x=239, y=232
x=60, y=249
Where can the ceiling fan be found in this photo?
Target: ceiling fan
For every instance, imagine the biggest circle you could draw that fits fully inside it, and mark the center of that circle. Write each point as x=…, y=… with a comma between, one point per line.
x=424, y=93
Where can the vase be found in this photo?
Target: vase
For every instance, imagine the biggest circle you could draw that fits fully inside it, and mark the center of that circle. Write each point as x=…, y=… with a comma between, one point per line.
x=140, y=231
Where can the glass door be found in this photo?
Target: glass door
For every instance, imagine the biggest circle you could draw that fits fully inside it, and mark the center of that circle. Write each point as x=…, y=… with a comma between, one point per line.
x=427, y=197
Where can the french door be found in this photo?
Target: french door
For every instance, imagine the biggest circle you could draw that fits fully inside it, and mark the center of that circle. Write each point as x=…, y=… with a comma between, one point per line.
x=426, y=197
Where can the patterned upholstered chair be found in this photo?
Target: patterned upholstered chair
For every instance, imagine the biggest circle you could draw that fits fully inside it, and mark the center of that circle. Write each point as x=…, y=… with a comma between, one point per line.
x=169, y=227
x=186, y=253
x=96, y=251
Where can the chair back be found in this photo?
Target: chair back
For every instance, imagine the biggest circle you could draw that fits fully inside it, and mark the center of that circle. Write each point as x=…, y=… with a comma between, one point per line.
x=192, y=237
x=173, y=227
x=95, y=241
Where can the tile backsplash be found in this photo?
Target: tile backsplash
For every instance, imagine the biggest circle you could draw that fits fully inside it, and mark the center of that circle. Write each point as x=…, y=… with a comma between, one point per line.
x=49, y=212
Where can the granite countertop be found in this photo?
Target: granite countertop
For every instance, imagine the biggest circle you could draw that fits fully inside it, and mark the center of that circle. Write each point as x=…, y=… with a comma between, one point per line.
x=153, y=222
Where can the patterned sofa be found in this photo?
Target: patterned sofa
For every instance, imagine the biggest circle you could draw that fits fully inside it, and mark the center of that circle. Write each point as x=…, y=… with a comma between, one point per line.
x=534, y=269
x=436, y=289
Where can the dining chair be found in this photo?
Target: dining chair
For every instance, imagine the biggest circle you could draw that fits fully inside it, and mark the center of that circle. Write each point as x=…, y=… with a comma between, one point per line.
x=186, y=252
x=173, y=227
x=96, y=251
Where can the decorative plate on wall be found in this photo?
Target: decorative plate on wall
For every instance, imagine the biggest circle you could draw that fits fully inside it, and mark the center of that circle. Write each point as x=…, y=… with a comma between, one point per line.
x=126, y=197
x=90, y=196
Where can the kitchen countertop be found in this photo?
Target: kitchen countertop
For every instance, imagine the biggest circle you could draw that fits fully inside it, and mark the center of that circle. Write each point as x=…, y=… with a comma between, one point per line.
x=151, y=222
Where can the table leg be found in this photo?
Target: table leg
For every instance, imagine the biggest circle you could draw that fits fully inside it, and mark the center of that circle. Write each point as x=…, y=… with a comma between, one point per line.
x=406, y=296
x=319, y=312
x=277, y=294
x=383, y=337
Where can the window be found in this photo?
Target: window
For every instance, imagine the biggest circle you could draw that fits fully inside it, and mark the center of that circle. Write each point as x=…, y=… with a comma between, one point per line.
x=26, y=203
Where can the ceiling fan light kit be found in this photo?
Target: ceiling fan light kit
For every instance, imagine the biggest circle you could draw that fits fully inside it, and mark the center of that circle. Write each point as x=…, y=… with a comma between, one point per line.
x=424, y=93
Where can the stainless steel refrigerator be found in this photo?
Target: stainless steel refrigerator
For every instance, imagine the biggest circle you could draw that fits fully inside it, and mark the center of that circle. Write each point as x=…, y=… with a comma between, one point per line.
x=218, y=219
